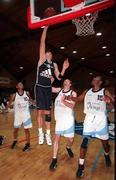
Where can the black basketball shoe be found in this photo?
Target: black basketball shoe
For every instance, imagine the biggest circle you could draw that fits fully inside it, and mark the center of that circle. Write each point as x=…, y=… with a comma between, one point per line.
x=26, y=147
x=2, y=139
x=107, y=160
x=80, y=171
x=53, y=164
x=70, y=153
x=14, y=144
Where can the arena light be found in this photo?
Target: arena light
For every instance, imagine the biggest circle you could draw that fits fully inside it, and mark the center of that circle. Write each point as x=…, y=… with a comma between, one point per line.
x=21, y=67
x=90, y=73
x=62, y=47
x=107, y=55
x=74, y=52
x=98, y=34
x=111, y=72
x=83, y=58
x=104, y=47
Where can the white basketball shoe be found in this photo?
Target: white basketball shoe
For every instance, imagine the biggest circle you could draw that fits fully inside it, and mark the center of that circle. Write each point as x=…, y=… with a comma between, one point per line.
x=48, y=139
x=41, y=138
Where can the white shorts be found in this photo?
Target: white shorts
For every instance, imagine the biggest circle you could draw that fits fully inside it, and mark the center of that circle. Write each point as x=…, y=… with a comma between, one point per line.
x=96, y=126
x=22, y=118
x=65, y=127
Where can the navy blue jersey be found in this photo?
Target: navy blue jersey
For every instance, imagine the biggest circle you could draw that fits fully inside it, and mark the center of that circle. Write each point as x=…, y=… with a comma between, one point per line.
x=44, y=72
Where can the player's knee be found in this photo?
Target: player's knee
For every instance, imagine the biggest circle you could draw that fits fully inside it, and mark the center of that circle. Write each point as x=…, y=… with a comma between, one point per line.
x=71, y=140
x=85, y=143
x=106, y=145
x=26, y=129
x=16, y=130
x=48, y=118
x=56, y=138
x=39, y=113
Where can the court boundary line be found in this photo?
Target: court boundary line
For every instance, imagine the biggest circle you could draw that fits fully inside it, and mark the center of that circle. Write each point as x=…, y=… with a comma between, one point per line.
x=95, y=163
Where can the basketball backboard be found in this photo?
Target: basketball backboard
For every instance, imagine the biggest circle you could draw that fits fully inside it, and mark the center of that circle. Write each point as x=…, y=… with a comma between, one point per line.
x=65, y=10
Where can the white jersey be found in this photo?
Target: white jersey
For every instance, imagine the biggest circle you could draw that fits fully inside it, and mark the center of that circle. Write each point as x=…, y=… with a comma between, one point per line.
x=93, y=102
x=64, y=116
x=62, y=111
x=21, y=103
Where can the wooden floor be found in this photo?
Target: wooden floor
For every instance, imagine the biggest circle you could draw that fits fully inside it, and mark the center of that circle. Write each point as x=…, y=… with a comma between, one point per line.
x=33, y=165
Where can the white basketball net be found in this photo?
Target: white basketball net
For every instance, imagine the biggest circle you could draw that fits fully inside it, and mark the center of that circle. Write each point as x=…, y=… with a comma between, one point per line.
x=85, y=24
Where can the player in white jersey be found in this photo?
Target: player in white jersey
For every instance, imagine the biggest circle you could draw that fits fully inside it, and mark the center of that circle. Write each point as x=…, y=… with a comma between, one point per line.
x=64, y=116
x=21, y=114
x=95, y=123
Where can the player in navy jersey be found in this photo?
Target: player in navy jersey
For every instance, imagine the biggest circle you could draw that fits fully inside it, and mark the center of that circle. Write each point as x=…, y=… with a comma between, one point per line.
x=46, y=69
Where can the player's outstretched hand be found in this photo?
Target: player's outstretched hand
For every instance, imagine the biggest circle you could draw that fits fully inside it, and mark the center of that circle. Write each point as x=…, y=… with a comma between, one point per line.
x=46, y=27
x=106, y=99
x=66, y=64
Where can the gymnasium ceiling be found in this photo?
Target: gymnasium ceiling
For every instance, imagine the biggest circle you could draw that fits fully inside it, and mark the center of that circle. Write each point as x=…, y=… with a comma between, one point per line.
x=19, y=45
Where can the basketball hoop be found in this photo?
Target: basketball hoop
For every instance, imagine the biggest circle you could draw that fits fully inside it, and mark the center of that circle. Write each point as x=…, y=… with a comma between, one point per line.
x=85, y=24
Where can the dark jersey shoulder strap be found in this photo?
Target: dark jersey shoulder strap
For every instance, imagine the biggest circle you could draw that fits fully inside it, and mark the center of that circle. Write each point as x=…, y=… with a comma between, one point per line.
x=59, y=92
x=71, y=92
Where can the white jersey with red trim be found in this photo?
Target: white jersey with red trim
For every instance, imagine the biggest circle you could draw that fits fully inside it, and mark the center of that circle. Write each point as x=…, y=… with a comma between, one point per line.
x=64, y=116
x=62, y=110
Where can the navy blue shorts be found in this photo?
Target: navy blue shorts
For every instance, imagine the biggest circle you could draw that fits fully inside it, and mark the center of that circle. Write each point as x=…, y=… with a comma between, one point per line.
x=43, y=96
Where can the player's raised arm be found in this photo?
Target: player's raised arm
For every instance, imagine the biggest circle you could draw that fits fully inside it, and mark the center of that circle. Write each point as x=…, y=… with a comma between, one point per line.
x=57, y=72
x=108, y=98
x=65, y=66
x=42, y=57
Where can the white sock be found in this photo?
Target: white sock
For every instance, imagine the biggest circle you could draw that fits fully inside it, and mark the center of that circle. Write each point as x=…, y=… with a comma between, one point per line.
x=54, y=157
x=68, y=147
x=40, y=130
x=81, y=161
x=48, y=131
x=106, y=153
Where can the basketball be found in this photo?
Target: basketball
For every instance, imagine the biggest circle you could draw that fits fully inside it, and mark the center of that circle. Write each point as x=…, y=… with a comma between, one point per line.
x=50, y=11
